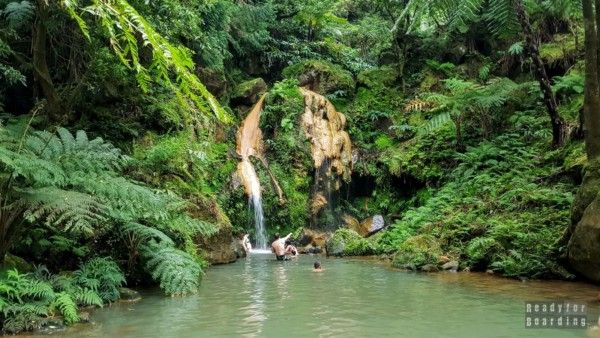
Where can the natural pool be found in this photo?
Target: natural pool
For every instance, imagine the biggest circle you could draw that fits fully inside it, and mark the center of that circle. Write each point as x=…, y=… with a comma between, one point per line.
x=261, y=297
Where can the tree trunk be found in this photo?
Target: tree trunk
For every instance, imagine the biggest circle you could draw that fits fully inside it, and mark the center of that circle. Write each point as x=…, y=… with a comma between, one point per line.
x=591, y=103
x=532, y=48
x=41, y=72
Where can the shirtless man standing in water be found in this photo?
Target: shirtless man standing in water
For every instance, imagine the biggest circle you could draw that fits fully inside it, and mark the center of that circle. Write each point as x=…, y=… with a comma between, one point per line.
x=278, y=247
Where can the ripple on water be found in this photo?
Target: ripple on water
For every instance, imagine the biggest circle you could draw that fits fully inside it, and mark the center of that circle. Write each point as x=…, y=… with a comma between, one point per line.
x=261, y=297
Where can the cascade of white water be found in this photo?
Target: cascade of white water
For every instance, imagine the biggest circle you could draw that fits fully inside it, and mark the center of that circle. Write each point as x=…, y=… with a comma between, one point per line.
x=255, y=201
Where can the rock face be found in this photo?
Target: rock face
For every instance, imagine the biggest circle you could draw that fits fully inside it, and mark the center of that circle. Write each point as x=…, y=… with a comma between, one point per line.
x=584, y=246
x=324, y=127
x=330, y=146
x=222, y=247
x=313, y=239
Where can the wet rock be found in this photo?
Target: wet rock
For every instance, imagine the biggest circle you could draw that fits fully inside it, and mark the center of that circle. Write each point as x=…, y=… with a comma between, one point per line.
x=128, y=295
x=50, y=325
x=309, y=249
x=220, y=248
x=451, y=265
x=85, y=317
x=489, y=271
x=238, y=248
x=373, y=224
x=429, y=268
x=248, y=92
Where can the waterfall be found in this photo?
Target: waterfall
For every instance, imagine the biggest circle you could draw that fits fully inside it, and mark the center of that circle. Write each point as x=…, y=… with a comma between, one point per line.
x=255, y=202
x=249, y=143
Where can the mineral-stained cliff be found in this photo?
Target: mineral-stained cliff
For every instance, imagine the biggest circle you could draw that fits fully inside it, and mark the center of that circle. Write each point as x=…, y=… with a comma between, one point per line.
x=331, y=147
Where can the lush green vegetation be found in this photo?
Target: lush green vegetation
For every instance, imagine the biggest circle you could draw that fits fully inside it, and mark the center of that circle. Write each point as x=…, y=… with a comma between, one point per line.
x=118, y=123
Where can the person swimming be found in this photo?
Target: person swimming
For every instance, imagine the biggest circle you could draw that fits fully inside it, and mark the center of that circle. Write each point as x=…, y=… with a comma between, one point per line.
x=278, y=247
x=317, y=267
x=290, y=249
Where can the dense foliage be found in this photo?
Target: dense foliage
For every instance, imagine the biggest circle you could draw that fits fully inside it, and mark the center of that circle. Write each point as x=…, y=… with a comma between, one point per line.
x=118, y=123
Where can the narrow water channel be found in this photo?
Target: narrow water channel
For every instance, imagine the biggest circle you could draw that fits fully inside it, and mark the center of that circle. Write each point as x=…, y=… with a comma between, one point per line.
x=261, y=297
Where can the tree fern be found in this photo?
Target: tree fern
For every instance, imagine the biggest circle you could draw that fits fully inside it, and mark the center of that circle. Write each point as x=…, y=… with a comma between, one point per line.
x=177, y=272
x=18, y=13
x=124, y=25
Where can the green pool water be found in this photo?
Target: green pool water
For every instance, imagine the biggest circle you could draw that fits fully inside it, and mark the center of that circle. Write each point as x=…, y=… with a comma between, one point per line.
x=261, y=297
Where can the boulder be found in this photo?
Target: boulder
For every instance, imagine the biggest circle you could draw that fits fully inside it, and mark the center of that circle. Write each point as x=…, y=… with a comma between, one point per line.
x=222, y=247
x=313, y=238
x=129, y=295
x=451, y=265
x=16, y=262
x=583, y=248
x=50, y=325
x=248, y=92
x=429, y=268
x=366, y=227
x=309, y=249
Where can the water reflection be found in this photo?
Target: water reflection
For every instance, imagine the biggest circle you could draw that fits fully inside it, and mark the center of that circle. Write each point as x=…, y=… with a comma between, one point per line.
x=262, y=297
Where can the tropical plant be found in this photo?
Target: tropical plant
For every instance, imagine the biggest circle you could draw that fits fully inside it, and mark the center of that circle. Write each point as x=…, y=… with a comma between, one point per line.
x=463, y=99
x=75, y=184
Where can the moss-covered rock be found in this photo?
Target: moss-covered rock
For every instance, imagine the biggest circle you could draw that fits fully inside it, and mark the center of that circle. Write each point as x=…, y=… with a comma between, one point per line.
x=321, y=76
x=346, y=242
x=587, y=192
x=417, y=251
x=15, y=262
x=583, y=249
x=248, y=92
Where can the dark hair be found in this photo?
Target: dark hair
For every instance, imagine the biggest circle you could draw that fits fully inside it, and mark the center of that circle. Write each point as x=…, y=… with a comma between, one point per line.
x=288, y=242
x=317, y=265
x=277, y=236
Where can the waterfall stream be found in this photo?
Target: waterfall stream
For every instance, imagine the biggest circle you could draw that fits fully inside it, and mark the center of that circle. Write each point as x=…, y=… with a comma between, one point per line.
x=255, y=202
x=249, y=141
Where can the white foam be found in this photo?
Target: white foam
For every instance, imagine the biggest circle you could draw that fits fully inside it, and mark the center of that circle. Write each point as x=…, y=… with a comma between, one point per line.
x=260, y=251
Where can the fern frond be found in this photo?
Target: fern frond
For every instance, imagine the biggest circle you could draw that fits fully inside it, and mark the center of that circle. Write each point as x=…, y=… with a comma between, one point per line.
x=87, y=297
x=437, y=121
x=176, y=271
x=18, y=13
x=67, y=307
x=73, y=211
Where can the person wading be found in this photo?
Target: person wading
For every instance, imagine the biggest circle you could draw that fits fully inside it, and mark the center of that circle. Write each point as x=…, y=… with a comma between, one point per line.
x=278, y=247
